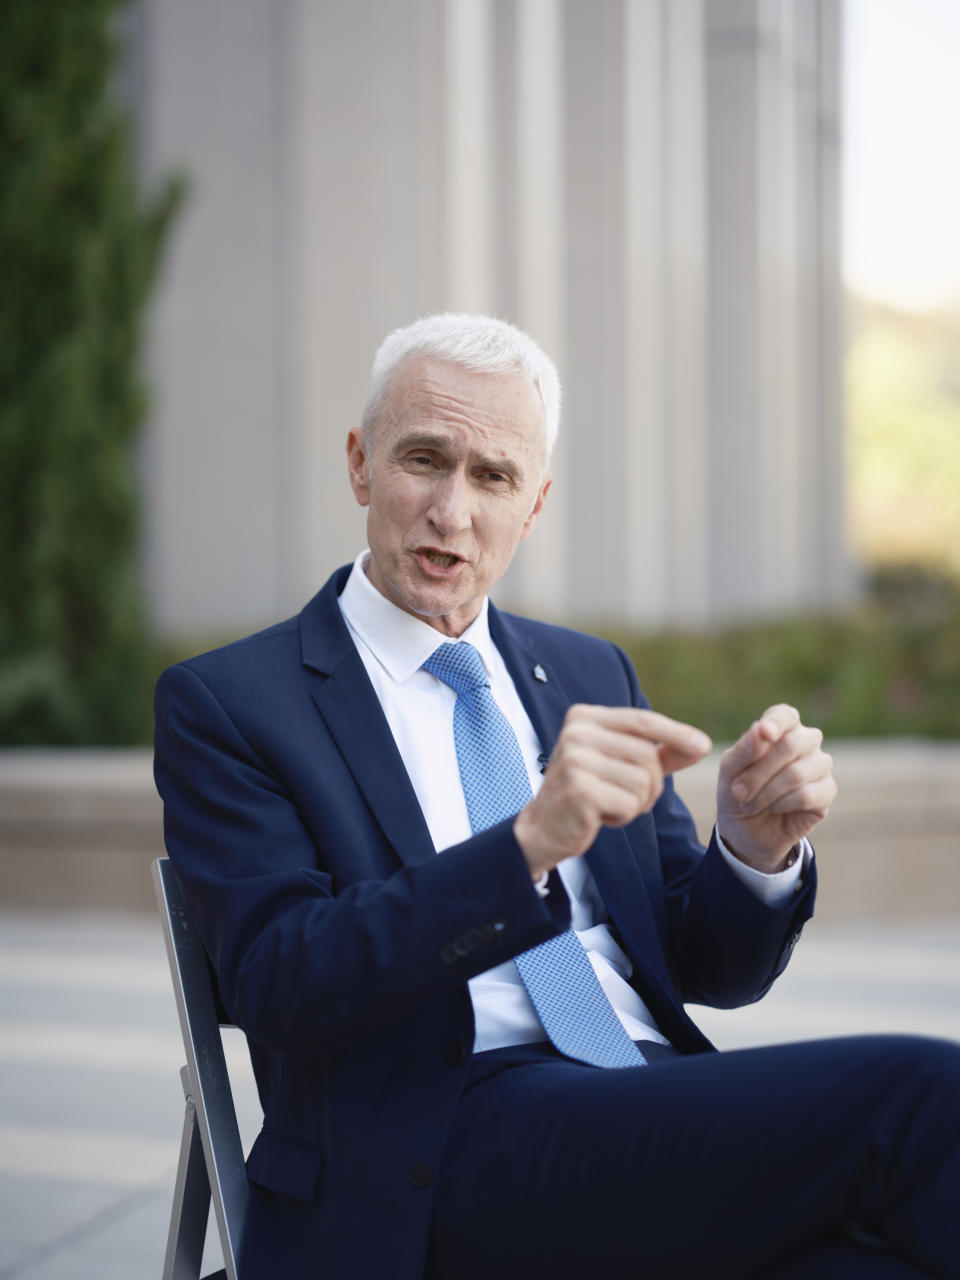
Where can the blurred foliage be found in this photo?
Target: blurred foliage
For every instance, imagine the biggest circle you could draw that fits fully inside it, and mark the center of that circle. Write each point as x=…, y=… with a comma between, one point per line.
x=79, y=248
x=903, y=413
x=892, y=667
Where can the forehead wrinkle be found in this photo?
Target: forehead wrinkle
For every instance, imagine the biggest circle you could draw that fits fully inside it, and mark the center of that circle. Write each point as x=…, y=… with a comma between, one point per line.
x=429, y=378
x=436, y=401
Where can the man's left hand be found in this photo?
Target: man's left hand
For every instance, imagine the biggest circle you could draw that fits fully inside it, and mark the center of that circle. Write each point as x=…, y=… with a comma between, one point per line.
x=775, y=785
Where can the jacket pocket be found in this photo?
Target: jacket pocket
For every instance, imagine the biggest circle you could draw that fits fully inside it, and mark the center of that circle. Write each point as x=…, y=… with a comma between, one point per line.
x=286, y=1166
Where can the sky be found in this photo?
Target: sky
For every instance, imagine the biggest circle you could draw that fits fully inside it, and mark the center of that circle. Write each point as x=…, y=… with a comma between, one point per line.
x=902, y=151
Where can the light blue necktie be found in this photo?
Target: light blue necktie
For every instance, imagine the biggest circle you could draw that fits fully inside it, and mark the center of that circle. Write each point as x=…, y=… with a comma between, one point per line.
x=558, y=975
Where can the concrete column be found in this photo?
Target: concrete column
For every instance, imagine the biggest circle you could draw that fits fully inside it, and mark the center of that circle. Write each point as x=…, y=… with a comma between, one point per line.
x=538, y=582
x=836, y=573
x=809, y=392
x=645, y=559
x=208, y=461
x=469, y=161
x=373, y=252
x=296, y=443
x=774, y=409
x=735, y=466
x=593, y=197
x=776, y=504
x=684, y=309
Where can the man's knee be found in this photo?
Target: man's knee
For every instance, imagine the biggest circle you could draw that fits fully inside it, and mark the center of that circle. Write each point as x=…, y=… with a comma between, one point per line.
x=934, y=1064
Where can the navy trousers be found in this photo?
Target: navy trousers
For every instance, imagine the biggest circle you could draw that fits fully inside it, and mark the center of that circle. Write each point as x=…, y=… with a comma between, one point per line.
x=821, y=1159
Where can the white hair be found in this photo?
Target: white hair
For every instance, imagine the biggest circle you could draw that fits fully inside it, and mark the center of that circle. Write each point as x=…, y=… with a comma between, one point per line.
x=480, y=343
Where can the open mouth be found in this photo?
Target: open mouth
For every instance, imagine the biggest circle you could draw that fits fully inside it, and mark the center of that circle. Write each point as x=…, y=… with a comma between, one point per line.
x=443, y=559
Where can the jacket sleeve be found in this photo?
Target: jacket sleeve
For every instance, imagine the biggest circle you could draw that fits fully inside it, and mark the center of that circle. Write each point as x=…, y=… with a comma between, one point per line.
x=305, y=965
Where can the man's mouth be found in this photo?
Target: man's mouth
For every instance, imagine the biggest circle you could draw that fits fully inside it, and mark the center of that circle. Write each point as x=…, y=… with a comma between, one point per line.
x=444, y=559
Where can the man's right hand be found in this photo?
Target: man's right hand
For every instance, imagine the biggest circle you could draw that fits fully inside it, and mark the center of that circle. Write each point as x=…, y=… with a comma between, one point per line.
x=607, y=768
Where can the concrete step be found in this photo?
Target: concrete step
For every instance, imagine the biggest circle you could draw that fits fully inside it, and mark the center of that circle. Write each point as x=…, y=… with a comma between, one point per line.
x=891, y=845
x=78, y=828
x=91, y=1106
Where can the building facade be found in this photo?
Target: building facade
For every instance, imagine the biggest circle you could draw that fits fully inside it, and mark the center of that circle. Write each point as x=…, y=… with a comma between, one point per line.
x=649, y=187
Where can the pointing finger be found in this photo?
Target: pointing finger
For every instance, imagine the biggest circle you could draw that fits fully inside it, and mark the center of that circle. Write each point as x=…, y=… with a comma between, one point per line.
x=678, y=744
x=693, y=747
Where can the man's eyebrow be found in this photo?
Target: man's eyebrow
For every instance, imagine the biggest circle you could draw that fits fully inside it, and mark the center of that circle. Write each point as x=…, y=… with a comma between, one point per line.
x=430, y=440
x=421, y=440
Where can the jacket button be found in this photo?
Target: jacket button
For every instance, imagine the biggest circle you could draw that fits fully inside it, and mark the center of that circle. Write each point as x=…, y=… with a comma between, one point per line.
x=420, y=1176
x=455, y=1053
x=448, y=955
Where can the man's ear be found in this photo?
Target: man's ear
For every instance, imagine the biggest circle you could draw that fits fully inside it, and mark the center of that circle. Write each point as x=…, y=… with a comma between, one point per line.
x=357, y=466
x=537, y=509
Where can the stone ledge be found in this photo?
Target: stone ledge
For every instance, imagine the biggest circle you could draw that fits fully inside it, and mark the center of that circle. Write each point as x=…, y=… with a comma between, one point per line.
x=79, y=828
x=891, y=846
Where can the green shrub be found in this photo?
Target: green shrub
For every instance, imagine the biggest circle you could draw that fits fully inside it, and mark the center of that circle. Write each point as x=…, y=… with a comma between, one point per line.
x=890, y=668
x=80, y=249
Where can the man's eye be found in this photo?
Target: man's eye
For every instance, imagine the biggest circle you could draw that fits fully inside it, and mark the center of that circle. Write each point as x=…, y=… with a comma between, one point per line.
x=497, y=477
x=421, y=460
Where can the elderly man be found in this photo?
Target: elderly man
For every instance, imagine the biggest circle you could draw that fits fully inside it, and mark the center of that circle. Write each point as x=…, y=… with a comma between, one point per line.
x=451, y=896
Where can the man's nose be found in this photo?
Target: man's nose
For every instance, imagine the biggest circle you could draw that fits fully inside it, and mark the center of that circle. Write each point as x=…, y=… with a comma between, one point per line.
x=450, y=511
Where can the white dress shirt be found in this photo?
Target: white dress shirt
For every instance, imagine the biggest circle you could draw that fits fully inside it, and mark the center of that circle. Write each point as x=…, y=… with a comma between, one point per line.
x=418, y=707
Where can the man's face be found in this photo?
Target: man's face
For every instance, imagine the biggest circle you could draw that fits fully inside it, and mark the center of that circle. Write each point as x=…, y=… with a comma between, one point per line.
x=455, y=480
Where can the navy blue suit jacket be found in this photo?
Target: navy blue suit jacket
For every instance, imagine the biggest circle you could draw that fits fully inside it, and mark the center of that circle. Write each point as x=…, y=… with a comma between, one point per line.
x=343, y=943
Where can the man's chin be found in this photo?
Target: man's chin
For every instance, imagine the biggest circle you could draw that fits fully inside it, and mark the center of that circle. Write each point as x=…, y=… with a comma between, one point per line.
x=448, y=611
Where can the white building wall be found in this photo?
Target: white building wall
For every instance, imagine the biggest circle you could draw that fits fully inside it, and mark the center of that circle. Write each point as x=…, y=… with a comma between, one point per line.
x=647, y=186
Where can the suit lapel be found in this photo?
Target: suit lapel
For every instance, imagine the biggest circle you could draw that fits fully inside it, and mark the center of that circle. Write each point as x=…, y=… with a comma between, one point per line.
x=352, y=713
x=543, y=698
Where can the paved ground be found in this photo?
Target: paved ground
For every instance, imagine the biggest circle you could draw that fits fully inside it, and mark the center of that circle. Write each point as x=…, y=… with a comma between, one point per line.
x=90, y=1101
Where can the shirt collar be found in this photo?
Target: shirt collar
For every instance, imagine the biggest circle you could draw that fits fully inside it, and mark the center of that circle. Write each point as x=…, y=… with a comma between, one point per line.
x=400, y=642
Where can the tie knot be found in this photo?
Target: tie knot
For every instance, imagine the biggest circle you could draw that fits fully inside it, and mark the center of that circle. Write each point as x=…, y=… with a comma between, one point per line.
x=459, y=666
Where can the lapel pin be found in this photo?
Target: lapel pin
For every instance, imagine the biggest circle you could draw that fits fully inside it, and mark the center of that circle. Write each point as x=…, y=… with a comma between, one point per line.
x=539, y=674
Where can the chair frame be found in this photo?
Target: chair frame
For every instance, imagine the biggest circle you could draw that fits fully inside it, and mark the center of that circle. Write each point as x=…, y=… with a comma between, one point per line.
x=211, y=1166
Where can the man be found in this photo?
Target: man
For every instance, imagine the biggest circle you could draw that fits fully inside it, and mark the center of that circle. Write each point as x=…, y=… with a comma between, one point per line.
x=477, y=1061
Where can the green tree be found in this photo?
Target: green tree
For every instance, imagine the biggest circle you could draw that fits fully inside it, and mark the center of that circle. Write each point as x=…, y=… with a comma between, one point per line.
x=903, y=409
x=79, y=246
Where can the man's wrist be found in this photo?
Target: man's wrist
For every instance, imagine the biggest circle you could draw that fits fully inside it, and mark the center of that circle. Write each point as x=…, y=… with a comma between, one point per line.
x=525, y=832
x=765, y=866
x=775, y=888
x=785, y=863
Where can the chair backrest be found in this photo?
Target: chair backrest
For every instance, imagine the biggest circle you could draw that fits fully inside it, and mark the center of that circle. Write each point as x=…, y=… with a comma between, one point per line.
x=211, y=1155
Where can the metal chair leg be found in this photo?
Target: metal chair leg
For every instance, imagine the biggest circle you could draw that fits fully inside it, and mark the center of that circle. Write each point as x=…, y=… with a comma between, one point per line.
x=191, y=1199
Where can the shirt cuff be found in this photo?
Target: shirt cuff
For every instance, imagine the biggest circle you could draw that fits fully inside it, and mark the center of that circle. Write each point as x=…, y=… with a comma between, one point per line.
x=541, y=885
x=774, y=889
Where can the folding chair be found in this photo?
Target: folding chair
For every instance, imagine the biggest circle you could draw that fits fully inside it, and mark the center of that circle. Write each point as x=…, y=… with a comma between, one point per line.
x=211, y=1164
